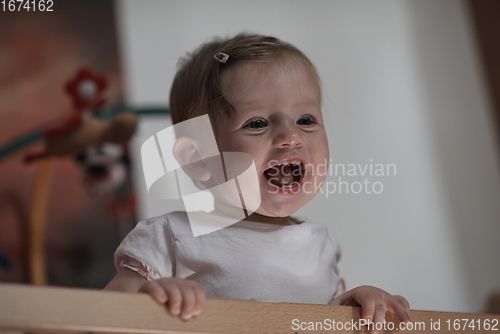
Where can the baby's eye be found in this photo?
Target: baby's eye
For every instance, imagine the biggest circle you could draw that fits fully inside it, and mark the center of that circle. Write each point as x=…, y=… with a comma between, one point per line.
x=256, y=124
x=306, y=120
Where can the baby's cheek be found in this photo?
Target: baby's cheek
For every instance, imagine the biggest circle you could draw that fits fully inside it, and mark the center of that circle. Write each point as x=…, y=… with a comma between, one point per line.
x=319, y=180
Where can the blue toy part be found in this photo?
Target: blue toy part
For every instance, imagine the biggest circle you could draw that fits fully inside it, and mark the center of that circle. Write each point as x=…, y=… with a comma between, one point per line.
x=35, y=135
x=5, y=262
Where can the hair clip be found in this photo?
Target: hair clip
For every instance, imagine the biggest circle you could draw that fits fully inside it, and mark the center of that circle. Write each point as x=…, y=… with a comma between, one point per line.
x=221, y=57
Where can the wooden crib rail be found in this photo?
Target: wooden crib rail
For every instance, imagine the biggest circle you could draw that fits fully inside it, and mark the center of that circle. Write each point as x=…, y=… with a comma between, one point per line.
x=63, y=310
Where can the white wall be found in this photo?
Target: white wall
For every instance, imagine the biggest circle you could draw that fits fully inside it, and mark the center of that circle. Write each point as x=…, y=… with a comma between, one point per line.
x=402, y=85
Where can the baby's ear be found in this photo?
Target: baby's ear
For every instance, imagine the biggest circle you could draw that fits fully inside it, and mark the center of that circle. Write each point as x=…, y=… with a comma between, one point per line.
x=186, y=152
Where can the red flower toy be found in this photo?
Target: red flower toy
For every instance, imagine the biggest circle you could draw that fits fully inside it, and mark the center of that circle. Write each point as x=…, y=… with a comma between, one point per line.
x=86, y=90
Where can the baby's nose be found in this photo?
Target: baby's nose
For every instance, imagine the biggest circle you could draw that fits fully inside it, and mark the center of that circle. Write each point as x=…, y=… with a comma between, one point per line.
x=287, y=136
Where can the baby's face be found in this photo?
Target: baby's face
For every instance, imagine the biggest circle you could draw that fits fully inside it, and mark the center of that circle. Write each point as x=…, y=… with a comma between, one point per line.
x=278, y=121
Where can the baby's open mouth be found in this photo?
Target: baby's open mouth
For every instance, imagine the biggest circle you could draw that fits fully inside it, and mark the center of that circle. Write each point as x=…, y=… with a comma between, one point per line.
x=285, y=175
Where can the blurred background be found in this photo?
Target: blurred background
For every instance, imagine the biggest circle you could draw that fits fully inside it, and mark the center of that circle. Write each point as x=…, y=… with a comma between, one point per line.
x=410, y=83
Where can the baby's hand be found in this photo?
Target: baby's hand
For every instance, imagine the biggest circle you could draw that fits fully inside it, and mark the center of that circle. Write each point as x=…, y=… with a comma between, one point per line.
x=374, y=302
x=178, y=293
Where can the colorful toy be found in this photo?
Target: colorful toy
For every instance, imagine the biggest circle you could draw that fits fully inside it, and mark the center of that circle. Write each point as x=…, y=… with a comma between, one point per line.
x=87, y=138
x=80, y=130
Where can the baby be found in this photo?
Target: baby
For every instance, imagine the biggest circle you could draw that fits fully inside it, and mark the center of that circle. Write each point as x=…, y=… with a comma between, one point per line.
x=263, y=98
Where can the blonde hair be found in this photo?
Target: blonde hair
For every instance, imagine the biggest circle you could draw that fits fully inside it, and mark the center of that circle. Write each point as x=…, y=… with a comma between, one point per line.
x=196, y=89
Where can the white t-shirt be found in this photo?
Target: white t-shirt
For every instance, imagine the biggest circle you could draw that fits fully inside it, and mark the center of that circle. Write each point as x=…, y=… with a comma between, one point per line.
x=247, y=260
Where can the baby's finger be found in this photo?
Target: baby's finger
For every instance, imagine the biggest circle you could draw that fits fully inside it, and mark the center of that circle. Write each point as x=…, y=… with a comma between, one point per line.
x=401, y=312
x=379, y=316
x=154, y=290
x=200, y=298
x=188, y=300
x=174, y=296
x=344, y=299
x=405, y=304
x=367, y=307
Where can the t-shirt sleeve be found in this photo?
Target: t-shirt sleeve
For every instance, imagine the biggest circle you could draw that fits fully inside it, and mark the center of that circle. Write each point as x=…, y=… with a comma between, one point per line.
x=148, y=249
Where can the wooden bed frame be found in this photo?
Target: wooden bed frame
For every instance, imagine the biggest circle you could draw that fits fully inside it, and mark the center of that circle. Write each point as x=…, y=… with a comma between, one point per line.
x=31, y=309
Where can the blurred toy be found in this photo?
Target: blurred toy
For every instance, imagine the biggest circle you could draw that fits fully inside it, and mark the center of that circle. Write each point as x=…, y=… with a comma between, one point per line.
x=105, y=168
x=90, y=132
x=85, y=136
x=80, y=130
